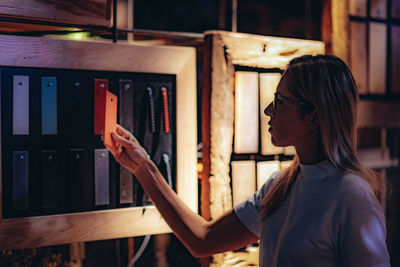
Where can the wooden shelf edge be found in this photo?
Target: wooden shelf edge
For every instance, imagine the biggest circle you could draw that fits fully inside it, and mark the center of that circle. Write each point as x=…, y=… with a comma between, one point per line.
x=93, y=12
x=18, y=233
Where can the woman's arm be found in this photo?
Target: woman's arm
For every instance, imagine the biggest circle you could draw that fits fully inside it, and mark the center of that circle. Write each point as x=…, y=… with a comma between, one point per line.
x=201, y=237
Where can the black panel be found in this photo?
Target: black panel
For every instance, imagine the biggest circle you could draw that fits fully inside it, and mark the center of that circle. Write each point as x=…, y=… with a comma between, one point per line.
x=61, y=170
x=153, y=138
x=80, y=182
x=50, y=179
x=20, y=180
x=127, y=182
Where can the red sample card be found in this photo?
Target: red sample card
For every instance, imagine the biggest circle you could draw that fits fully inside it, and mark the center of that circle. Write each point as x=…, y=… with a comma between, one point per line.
x=100, y=89
x=110, y=124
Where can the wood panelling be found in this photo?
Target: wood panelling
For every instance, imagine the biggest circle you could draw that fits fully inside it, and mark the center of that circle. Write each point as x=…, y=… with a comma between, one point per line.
x=378, y=114
x=80, y=227
x=92, y=12
x=378, y=9
x=358, y=8
x=395, y=59
x=377, y=58
x=340, y=30
x=359, y=55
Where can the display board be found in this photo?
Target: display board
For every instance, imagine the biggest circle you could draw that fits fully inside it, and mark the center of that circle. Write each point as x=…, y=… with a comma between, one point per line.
x=58, y=183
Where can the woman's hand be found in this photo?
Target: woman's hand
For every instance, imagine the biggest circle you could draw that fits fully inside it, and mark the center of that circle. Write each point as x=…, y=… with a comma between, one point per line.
x=127, y=151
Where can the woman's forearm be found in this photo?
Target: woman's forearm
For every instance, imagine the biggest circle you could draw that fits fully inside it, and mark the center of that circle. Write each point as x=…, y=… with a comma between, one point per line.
x=201, y=238
x=190, y=227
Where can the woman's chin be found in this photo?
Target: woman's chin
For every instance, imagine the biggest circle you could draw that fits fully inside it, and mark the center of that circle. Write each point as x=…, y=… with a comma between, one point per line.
x=277, y=143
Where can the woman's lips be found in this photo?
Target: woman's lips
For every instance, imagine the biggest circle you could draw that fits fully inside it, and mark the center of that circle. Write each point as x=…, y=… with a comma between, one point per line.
x=270, y=129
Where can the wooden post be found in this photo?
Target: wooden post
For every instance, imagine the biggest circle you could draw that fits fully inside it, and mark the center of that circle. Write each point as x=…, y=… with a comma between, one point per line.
x=335, y=28
x=76, y=254
x=131, y=248
x=205, y=136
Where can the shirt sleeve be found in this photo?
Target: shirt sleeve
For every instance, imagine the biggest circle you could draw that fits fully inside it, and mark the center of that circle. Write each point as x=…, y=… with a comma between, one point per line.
x=362, y=239
x=248, y=211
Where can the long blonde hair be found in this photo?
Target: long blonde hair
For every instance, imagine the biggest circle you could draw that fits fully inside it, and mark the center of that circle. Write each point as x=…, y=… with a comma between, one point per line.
x=326, y=84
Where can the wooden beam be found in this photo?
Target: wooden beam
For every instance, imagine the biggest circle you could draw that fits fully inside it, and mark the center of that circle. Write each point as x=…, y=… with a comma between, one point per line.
x=51, y=230
x=379, y=114
x=340, y=29
x=92, y=12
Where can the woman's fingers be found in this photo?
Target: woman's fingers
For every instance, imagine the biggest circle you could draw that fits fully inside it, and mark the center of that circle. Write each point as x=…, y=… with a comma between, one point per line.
x=123, y=132
x=120, y=140
x=111, y=149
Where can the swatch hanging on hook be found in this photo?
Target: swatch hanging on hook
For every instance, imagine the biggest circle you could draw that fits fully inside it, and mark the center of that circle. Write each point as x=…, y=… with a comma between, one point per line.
x=49, y=105
x=100, y=89
x=165, y=109
x=110, y=124
x=151, y=110
x=126, y=104
x=20, y=180
x=20, y=105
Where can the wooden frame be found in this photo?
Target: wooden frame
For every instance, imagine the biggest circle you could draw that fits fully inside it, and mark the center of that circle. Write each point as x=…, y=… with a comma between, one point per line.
x=92, y=12
x=117, y=223
x=335, y=28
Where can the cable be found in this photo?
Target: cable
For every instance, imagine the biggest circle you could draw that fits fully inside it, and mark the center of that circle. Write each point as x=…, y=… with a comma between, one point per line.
x=151, y=107
x=167, y=163
x=146, y=239
x=140, y=251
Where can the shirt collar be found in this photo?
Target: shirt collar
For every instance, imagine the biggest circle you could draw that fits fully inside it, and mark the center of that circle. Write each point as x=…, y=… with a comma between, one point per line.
x=318, y=170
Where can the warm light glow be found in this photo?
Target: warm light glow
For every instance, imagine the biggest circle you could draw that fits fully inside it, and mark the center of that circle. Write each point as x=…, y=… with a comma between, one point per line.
x=265, y=51
x=377, y=58
x=289, y=150
x=243, y=180
x=268, y=84
x=264, y=171
x=76, y=36
x=246, y=112
x=285, y=164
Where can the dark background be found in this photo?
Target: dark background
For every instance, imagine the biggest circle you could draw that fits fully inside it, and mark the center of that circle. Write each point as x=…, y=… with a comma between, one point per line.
x=286, y=18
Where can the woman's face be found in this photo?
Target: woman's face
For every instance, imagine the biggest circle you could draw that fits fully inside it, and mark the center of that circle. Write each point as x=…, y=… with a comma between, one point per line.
x=287, y=125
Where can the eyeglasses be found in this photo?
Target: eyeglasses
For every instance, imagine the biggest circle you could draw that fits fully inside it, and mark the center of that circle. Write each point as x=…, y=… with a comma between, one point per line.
x=279, y=99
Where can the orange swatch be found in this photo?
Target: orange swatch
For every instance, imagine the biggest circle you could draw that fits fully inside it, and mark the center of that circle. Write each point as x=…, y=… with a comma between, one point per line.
x=110, y=125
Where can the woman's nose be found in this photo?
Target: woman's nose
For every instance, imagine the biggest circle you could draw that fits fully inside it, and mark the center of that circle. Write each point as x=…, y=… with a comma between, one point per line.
x=269, y=110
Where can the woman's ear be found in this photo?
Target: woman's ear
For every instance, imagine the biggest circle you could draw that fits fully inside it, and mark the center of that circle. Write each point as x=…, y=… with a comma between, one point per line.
x=312, y=120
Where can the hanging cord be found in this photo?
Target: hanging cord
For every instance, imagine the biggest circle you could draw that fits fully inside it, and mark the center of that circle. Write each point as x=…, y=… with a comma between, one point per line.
x=140, y=251
x=146, y=239
x=167, y=163
x=151, y=106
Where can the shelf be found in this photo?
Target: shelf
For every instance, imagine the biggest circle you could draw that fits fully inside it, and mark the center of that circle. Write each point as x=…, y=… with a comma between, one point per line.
x=93, y=12
x=80, y=227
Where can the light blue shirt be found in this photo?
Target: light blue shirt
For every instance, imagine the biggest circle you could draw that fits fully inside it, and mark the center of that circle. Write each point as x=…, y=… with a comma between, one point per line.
x=329, y=218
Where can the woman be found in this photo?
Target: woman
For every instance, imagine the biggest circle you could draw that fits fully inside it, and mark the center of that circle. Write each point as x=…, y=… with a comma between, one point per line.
x=322, y=211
